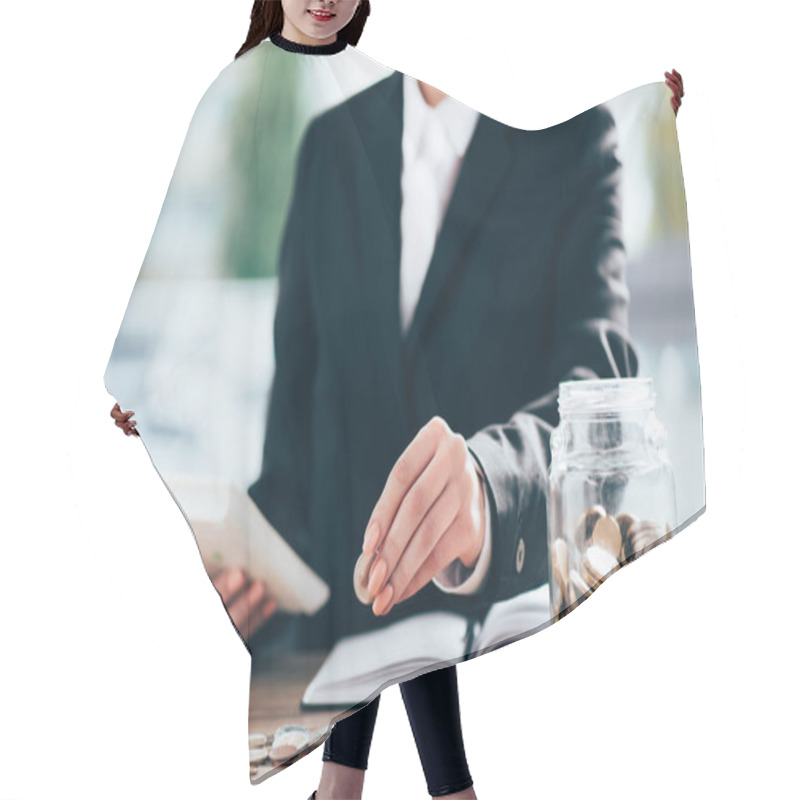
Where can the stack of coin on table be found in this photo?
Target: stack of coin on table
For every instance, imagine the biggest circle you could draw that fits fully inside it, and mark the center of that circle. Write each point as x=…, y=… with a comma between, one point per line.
x=267, y=750
x=602, y=543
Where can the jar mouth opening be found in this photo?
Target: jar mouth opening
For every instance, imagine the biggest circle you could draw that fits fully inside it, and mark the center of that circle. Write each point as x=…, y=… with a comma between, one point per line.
x=606, y=395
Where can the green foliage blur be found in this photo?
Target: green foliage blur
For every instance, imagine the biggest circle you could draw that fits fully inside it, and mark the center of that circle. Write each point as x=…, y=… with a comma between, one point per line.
x=262, y=165
x=669, y=217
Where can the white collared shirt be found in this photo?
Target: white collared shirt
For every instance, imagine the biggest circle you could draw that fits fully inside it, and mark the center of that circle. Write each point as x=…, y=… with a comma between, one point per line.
x=434, y=142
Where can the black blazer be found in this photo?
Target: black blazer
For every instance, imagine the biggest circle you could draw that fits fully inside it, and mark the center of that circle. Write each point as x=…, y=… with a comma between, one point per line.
x=526, y=288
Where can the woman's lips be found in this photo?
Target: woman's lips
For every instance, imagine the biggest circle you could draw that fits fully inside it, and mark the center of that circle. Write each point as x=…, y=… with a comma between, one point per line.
x=323, y=16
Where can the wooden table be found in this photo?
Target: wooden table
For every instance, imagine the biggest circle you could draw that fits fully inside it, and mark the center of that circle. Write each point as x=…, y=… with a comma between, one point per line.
x=277, y=685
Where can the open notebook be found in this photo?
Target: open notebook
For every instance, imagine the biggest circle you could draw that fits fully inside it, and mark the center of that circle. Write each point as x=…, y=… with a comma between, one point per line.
x=230, y=530
x=359, y=664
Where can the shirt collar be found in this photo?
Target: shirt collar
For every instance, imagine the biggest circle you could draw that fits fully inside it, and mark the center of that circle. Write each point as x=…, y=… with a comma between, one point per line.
x=458, y=120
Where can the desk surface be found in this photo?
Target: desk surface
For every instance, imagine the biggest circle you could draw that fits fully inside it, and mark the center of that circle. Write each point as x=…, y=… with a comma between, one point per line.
x=278, y=681
x=276, y=689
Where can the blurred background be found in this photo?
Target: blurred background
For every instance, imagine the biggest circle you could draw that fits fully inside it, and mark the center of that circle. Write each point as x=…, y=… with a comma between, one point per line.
x=202, y=311
x=111, y=623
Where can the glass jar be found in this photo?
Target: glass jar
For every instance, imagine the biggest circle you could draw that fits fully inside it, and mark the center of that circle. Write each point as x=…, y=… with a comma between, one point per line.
x=611, y=485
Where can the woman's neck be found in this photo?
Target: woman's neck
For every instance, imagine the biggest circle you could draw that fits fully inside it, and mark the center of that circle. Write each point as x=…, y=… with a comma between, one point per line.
x=294, y=34
x=327, y=46
x=432, y=95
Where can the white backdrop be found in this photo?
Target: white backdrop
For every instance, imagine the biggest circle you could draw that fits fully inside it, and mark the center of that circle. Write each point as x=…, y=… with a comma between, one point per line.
x=121, y=675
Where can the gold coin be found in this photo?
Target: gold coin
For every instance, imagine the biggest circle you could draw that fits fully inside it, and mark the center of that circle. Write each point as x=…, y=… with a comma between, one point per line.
x=567, y=599
x=581, y=587
x=643, y=534
x=282, y=752
x=558, y=599
x=646, y=532
x=586, y=523
x=361, y=576
x=641, y=543
x=585, y=573
x=258, y=754
x=625, y=521
x=561, y=563
x=598, y=562
x=257, y=740
x=606, y=534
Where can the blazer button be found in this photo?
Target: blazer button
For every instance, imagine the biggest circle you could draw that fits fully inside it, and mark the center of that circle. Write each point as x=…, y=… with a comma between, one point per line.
x=520, y=554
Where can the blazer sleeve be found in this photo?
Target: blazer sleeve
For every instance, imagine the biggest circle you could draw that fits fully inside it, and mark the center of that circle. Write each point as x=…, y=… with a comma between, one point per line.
x=590, y=339
x=283, y=489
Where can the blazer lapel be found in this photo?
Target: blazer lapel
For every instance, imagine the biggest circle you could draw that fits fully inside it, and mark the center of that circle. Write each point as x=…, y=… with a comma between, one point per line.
x=485, y=163
x=484, y=167
x=381, y=132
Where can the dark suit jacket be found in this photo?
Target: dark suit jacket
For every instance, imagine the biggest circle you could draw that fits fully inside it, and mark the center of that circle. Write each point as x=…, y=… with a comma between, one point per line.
x=526, y=288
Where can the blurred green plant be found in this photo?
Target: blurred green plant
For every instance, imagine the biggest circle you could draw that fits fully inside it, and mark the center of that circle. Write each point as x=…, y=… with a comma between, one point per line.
x=669, y=219
x=262, y=165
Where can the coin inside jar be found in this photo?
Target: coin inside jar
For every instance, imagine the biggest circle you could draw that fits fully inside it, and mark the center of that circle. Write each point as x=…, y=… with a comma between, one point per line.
x=625, y=521
x=598, y=563
x=361, y=576
x=581, y=587
x=571, y=597
x=607, y=535
x=586, y=523
x=561, y=563
x=558, y=598
x=643, y=535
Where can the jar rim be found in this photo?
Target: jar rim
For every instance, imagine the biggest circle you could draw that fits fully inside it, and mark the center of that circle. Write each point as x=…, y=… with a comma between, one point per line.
x=593, y=395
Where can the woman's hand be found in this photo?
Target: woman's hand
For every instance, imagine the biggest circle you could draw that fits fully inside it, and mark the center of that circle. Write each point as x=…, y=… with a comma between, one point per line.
x=429, y=513
x=124, y=421
x=246, y=601
x=675, y=82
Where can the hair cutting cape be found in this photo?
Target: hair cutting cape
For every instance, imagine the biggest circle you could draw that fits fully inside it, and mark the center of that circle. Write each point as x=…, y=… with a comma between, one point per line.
x=275, y=390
